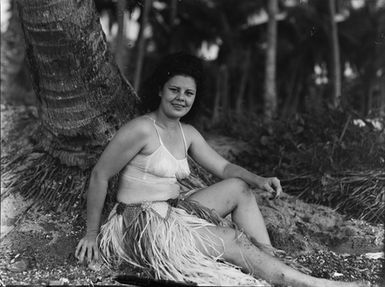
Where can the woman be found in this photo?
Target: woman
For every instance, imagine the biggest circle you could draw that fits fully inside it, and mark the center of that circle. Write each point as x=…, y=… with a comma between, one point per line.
x=173, y=236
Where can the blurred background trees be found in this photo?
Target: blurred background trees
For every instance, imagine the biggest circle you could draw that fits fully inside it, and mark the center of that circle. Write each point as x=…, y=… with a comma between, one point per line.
x=321, y=53
x=274, y=60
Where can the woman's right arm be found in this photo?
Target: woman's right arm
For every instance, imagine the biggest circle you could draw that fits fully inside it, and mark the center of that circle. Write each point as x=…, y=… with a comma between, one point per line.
x=127, y=142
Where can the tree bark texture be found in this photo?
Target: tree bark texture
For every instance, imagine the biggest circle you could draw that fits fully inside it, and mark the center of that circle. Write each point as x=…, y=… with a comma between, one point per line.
x=270, y=95
x=335, y=51
x=141, y=41
x=82, y=96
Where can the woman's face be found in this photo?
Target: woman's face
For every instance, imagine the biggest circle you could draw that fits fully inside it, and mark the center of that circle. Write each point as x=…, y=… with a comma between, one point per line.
x=177, y=96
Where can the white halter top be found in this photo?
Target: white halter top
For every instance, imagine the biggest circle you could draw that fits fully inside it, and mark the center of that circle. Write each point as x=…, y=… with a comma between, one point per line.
x=158, y=167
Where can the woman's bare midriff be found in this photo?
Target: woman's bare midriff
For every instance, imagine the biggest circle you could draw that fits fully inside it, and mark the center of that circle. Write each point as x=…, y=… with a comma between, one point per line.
x=131, y=191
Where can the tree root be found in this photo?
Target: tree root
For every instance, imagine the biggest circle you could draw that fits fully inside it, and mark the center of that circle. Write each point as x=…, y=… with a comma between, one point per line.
x=42, y=178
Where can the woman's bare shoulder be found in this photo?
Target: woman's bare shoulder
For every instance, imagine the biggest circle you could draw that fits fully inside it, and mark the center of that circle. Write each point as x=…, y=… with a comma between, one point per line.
x=140, y=126
x=190, y=128
x=191, y=132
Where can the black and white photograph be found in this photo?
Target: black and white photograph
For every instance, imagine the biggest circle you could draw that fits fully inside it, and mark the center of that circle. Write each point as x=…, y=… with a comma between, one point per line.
x=192, y=143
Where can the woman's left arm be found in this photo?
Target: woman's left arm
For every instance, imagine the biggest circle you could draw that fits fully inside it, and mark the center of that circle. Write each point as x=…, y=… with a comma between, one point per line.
x=270, y=184
x=207, y=157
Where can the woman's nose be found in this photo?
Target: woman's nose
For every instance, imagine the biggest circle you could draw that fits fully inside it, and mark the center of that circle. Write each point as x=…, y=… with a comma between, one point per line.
x=180, y=96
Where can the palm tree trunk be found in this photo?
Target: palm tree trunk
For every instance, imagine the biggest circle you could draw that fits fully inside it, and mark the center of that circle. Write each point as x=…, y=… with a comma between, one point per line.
x=217, y=99
x=83, y=98
x=225, y=90
x=172, y=24
x=336, y=65
x=251, y=94
x=120, y=37
x=270, y=94
x=291, y=87
x=296, y=87
x=140, y=48
x=243, y=82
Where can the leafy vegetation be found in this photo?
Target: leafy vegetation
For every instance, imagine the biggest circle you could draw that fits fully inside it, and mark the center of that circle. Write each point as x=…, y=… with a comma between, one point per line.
x=323, y=157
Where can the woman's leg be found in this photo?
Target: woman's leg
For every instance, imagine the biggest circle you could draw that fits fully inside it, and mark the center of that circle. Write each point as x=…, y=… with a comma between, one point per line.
x=237, y=249
x=234, y=196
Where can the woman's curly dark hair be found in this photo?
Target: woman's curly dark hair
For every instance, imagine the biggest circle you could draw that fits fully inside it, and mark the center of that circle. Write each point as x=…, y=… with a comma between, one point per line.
x=172, y=65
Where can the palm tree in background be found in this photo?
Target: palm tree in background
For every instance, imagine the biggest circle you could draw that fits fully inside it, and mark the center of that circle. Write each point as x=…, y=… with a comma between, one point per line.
x=82, y=98
x=301, y=46
x=270, y=95
x=141, y=43
x=362, y=47
x=335, y=69
x=302, y=42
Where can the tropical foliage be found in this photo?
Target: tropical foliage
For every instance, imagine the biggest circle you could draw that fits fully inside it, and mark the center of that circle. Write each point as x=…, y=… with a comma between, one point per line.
x=306, y=72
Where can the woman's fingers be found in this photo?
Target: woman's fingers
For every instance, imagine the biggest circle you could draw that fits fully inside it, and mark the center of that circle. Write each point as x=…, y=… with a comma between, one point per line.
x=82, y=253
x=86, y=249
x=277, y=185
x=89, y=253
x=80, y=250
x=96, y=253
x=273, y=186
x=268, y=188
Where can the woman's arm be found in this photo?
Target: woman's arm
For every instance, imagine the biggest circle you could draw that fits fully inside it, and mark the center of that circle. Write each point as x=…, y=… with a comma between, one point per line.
x=127, y=142
x=270, y=184
x=206, y=156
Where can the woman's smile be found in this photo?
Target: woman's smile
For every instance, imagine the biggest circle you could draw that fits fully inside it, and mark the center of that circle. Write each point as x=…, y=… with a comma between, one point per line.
x=178, y=95
x=178, y=106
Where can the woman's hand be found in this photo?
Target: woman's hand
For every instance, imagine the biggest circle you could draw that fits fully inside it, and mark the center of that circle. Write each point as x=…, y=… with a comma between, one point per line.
x=270, y=184
x=87, y=248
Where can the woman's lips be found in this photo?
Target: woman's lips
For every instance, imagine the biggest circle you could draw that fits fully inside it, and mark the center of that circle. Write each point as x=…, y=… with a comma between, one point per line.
x=178, y=106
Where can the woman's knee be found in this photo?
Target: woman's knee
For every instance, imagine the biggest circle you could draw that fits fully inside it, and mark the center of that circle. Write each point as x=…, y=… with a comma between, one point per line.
x=240, y=188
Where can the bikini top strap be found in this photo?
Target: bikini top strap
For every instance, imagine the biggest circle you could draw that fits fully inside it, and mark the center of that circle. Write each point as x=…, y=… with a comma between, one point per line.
x=184, y=138
x=156, y=129
x=160, y=139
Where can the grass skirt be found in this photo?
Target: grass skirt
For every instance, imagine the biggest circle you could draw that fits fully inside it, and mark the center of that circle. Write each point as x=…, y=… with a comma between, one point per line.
x=161, y=239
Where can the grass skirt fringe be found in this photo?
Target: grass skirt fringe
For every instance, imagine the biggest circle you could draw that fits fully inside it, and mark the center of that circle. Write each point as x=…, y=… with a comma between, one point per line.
x=163, y=241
